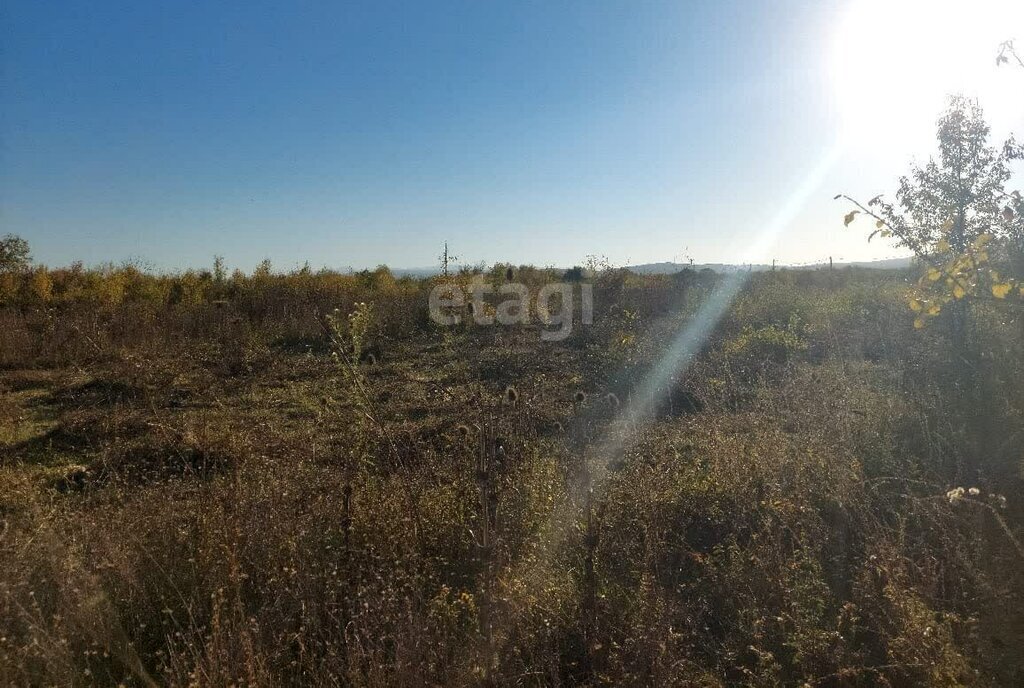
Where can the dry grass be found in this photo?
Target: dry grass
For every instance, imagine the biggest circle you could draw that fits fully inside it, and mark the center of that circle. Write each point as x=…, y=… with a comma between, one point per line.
x=194, y=491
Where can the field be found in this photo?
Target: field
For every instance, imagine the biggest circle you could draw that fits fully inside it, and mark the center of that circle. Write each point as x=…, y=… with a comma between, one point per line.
x=300, y=479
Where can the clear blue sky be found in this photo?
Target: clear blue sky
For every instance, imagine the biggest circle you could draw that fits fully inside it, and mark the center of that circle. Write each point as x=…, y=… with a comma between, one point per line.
x=358, y=133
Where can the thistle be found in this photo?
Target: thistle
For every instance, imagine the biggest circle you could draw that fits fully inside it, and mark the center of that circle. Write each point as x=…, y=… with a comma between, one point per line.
x=511, y=395
x=580, y=397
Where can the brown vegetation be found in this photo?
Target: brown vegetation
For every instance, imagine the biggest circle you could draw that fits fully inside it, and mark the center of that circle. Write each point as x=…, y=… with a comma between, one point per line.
x=207, y=480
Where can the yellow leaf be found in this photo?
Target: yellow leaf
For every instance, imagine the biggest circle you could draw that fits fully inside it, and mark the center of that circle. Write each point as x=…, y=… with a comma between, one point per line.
x=916, y=305
x=879, y=224
x=958, y=291
x=934, y=309
x=849, y=217
x=947, y=226
x=934, y=274
x=918, y=323
x=942, y=246
x=1000, y=290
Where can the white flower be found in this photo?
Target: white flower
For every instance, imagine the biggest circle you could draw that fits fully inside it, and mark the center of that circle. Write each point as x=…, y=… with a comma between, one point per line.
x=974, y=492
x=955, y=495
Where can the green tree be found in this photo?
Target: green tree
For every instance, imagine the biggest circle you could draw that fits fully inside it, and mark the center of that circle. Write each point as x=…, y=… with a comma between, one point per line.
x=955, y=214
x=14, y=253
x=958, y=195
x=220, y=273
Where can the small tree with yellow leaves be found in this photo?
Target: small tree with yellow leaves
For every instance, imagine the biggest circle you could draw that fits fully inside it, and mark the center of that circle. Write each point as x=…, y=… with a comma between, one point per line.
x=955, y=214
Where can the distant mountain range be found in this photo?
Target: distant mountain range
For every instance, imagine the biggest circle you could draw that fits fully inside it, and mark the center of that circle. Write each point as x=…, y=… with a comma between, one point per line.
x=670, y=268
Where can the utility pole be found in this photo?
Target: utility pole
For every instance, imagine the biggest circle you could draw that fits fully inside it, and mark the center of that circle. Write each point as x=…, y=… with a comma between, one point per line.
x=445, y=259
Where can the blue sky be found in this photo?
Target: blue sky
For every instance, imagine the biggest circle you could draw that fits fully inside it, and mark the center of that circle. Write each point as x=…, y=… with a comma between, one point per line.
x=359, y=133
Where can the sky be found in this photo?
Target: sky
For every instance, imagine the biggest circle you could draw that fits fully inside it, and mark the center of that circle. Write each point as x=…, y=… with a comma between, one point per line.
x=352, y=134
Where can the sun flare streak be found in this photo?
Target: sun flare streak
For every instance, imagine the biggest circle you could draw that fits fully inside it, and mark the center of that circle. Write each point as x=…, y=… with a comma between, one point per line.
x=689, y=341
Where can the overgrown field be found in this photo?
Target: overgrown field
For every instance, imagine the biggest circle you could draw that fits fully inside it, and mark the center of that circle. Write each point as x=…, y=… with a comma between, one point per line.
x=218, y=480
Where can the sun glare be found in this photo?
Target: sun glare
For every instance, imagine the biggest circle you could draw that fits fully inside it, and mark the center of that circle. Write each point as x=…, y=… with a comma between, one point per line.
x=895, y=62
